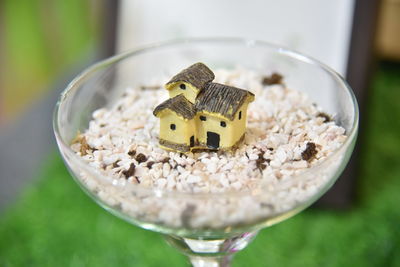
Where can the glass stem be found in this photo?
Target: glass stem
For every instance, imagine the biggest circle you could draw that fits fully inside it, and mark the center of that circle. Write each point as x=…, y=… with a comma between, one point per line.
x=223, y=261
x=211, y=252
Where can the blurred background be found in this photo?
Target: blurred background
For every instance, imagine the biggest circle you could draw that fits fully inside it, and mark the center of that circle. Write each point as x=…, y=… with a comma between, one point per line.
x=46, y=220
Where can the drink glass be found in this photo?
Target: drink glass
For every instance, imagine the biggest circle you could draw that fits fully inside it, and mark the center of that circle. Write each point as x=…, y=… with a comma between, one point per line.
x=207, y=227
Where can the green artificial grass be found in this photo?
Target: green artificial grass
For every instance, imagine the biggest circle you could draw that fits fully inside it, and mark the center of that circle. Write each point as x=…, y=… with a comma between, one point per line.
x=55, y=224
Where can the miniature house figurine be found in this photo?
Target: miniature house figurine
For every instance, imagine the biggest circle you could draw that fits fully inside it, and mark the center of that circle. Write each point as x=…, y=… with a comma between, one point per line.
x=201, y=114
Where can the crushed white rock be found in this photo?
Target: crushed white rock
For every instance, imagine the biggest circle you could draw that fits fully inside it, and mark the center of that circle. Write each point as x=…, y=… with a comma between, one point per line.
x=286, y=135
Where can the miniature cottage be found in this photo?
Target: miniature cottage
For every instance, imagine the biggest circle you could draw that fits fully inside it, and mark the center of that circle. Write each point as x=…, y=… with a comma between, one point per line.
x=200, y=113
x=221, y=115
x=177, y=124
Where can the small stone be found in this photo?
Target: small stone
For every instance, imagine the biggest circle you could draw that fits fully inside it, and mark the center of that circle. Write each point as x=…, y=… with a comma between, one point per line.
x=275, y=78
x=115, y=164
x=166, y=169
x=309, y=153
x=150, y=164
x=253, y=156
x=141, y=158
x=261, y=161
x=325, y=116
x=281, y=154
x=84, y=145
x=140, y=171
x=212, y=167
x=275, y=163
x=165, y=160
x=129, y=172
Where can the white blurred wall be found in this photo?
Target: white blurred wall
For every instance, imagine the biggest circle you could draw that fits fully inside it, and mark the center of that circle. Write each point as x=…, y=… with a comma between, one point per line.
x=318, y=28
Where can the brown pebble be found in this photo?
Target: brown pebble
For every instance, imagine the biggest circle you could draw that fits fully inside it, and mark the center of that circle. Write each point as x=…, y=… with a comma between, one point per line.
x=84, y=146
x=150, y=164
x=260, y=162
x=261, y=166
x=275, y=78
x=115, y=164
x=310, y=151
x=176, y=166
x=325, y=116
x=129, y=172
x=132, y=153
x=165, y=160
x=141, y=158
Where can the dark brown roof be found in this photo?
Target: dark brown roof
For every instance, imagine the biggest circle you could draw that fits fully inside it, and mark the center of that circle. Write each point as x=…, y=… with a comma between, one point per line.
x=222, y=99
x=197, y=75
x=178, y=104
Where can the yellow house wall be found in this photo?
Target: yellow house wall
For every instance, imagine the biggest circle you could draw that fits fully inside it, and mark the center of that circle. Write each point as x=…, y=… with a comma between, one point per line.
x=190, y=92
x=184, y=128
x=239, y=126
x=229, y=135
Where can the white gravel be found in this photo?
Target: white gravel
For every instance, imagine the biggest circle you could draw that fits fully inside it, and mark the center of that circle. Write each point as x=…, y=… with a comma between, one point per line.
x=282, y=124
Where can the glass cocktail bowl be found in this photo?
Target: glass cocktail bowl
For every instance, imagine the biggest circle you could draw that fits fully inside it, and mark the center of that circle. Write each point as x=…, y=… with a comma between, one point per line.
x=208, y=227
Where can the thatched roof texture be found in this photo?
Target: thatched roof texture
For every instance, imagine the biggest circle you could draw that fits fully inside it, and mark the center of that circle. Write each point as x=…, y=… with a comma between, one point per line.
x=178, y=104
x=222, y=99
x=198, y=75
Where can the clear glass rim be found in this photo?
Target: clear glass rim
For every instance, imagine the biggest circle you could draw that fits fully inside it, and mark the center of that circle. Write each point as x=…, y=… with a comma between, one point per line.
x=74, y=85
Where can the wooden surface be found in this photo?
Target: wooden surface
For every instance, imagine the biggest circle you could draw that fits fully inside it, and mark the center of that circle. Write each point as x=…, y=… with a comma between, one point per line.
x=388, y=35
x=359, y=72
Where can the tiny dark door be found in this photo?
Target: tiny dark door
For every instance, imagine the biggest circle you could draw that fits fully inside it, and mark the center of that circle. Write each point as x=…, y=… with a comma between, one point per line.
x=192, y=141
x=212, y=140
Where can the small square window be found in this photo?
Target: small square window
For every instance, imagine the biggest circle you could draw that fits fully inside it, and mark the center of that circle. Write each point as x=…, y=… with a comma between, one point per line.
x=172, y=126
x=203, y=118
x=182, y=86
x=240, y=115
x=223, y=124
